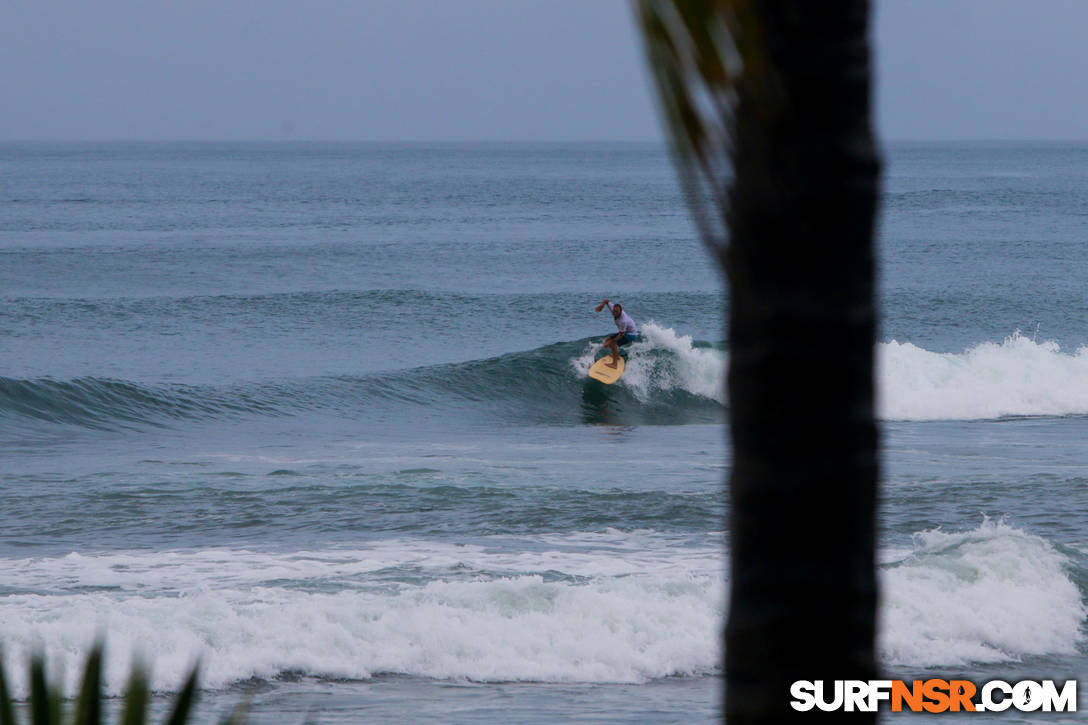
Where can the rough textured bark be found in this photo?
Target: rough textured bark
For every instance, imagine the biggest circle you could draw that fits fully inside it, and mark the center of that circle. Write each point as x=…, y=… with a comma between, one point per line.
x=768, y=103
x=801, y=335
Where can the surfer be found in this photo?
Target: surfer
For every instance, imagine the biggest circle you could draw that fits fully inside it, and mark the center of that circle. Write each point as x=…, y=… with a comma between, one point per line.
x=628, y=331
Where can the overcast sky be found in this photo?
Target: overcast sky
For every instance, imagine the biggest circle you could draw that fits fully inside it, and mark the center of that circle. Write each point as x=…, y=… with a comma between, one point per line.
x=485, y=70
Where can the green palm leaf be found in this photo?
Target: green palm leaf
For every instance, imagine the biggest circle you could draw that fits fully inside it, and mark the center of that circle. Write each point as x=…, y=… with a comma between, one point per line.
x=7, y=710
x=89, y=704
x=137, y=698
x=45, y=701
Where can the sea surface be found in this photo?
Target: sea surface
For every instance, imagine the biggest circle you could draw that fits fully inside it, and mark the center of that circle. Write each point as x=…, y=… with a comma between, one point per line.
x=317, y=416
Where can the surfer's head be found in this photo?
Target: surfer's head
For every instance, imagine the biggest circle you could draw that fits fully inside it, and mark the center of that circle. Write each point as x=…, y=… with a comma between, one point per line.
x=617, y=310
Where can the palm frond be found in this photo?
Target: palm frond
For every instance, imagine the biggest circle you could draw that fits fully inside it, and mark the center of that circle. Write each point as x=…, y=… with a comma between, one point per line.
x=7, y=710
x=44, y=700
x=89, y=704
x=45, y=703
x=698, y=52
x=137, y=698
x=185, y=700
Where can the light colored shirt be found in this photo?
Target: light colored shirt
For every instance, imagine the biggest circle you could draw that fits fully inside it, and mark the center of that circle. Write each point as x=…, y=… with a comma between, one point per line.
x=624, y=322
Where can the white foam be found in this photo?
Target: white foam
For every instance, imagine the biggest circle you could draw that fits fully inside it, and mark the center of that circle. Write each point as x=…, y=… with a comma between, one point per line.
x=663, y=360
x=1018, y=377
x=604, y=607
x=991, y=594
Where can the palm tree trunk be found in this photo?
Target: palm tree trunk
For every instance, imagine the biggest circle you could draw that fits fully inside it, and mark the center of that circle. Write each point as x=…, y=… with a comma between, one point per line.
x=801, y=334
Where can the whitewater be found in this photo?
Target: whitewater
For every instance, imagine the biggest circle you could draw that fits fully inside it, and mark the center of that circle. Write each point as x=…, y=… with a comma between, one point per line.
x=1016, y=377
x=608, y=607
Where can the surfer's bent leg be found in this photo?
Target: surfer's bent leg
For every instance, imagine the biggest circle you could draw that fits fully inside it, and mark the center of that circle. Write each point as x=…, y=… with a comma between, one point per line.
x=610, y=343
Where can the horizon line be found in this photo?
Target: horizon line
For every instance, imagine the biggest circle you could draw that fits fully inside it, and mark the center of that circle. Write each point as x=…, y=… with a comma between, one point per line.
x=465, y=141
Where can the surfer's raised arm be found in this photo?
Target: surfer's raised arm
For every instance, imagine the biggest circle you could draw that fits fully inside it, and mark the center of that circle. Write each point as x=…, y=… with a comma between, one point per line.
x=603, y=303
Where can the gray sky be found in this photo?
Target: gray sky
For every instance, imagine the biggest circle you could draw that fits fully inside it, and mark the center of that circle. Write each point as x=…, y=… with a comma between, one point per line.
x=485, y=70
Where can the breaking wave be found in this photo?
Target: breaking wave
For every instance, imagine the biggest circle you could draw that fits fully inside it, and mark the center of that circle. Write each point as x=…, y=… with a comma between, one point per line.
x=671, y=379
x=991, y=594
x=1018, y=377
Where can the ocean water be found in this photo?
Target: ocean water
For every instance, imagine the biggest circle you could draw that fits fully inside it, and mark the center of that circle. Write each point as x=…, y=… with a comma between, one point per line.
x=317, y=416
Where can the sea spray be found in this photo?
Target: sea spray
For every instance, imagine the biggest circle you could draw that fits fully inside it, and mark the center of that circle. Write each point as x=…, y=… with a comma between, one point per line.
x=662, y=361
x=1019, y=377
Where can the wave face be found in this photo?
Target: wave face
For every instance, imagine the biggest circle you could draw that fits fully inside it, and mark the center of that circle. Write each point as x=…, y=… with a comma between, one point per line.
x=670, y=379
x=104, y=403
x=991, y=594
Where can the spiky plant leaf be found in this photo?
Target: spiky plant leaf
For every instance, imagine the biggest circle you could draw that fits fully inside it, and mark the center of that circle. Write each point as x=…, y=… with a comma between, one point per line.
x=137, y=698
x=7, y=710
x=89, y=704
x=184, y=702
x=45, y=703
x=697, y=50
x=44, y=706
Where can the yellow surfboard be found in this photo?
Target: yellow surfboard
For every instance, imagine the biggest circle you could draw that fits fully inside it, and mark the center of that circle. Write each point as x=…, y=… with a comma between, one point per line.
x=601, y=371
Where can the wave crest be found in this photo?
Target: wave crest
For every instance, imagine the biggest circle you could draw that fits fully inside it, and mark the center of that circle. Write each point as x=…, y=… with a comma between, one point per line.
x=663, y=361
x=671, y=379
x=1019, y=377
x=990, y=594
x=565, y=609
